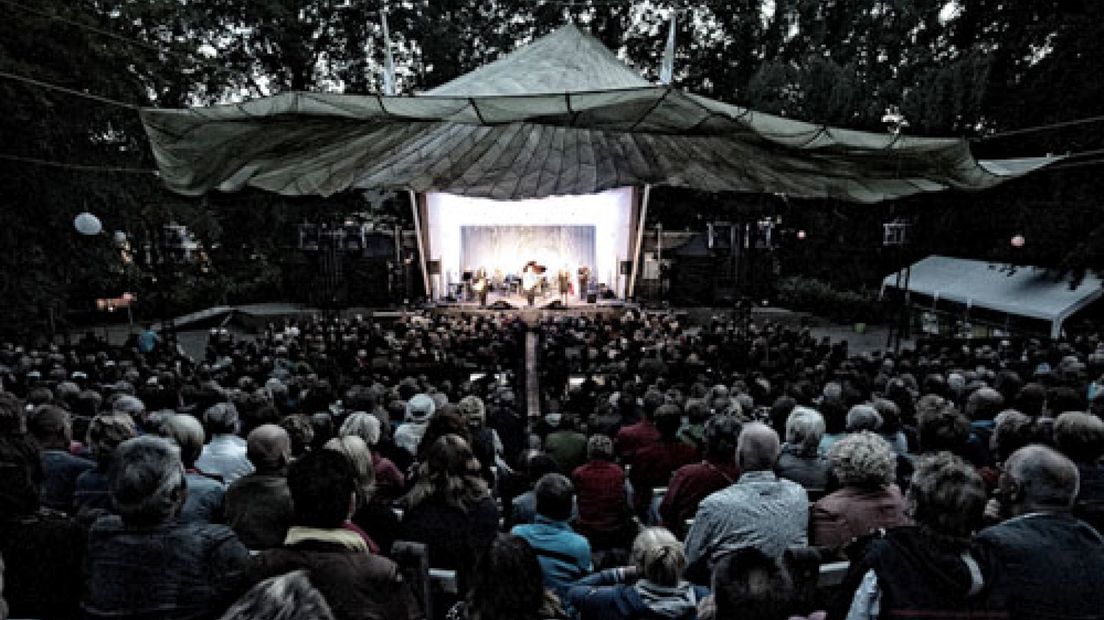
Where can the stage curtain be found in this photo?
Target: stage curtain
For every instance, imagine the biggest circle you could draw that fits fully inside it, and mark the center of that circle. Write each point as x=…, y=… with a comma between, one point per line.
x=509, y=247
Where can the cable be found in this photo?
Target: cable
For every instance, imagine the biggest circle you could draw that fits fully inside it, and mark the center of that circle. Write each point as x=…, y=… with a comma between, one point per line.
x=68, y=91
x=1058, y=125
x=81, y=167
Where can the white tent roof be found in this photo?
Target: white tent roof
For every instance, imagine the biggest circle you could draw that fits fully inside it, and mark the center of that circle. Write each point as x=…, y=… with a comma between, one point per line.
x=566, y=61
x=561, y=116
x=1027, y=291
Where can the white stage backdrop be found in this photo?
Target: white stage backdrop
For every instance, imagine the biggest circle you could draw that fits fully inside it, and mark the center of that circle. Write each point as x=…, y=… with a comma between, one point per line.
x=608, y=212
x=509, y=247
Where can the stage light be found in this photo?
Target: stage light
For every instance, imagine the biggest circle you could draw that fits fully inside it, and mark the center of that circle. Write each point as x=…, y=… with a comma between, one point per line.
x=801, y=235
x=1018, y=241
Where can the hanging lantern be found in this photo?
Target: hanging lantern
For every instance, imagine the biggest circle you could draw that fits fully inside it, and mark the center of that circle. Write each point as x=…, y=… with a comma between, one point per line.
x=87, y=224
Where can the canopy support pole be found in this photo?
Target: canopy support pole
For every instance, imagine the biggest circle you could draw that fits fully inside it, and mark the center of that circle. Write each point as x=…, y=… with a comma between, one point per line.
x=639, y=247
x=421, y=249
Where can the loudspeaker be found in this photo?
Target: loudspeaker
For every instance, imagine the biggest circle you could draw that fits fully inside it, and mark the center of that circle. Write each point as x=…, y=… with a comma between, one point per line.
x=433, y=267
x=592, y=298
x=626, y=267
x=556, y=305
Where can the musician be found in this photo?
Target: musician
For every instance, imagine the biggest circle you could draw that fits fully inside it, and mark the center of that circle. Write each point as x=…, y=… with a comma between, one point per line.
x=584, y=277
x=530, y=280
x=481, y=286
x=564, y=281
x=466, y=278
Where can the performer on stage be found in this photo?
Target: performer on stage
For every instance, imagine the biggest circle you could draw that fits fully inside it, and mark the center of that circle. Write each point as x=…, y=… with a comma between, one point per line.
x=584, y=278
x=530, y=280
x=564, y=282
x=466, y=278
x=481, y=286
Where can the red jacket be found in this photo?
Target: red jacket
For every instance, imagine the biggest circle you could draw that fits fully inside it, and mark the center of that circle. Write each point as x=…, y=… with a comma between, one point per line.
x=600, y=495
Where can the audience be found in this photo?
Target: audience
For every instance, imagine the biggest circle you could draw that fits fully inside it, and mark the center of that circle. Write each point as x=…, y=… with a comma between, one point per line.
x=52, y=429
x=105, y=433
x=604, y=514
x=205, y=493
x=356, y=583
x=564, y=555
x=143, y=562
x=692, y=483
x=800, y=459
x=927, y=569
x=258, y=506
x=864, y=465
x=759, y=510
x=1046, y=563
x=224, y=456
x=651, y=587
x=506, y=583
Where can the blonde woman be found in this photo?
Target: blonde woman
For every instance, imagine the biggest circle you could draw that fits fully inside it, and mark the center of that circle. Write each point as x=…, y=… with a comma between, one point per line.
x=374, y=520
x=650, y=587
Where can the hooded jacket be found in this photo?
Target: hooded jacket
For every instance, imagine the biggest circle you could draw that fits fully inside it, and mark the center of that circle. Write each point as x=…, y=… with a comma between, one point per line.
x=607, y=596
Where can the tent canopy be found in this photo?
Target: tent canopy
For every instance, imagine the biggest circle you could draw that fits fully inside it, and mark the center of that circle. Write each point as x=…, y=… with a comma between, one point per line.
x=561, y=116
x=1027, y=291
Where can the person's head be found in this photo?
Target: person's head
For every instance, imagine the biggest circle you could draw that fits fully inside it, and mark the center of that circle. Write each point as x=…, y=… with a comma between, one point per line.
x=130, y=405
x=323, y=489
x=750, y=584
x=449, y=471
x=51, y=427
x=1080, y=436
x=1012, y=430
x=186, y=432
x=420, y=408
x=863, y=418
x=804, y=429
x=757, y=447
x=146, y=480
x=600, y=448
x=863, y=460
x=946, y=495
x=658, y=556
x=300, y=431
x=107, y=431
x=943, y=428
x=473, y=411
x=360, y=457
x=984, y=404
x=555, y=497
x=506, y=582
x=322, y=427
x=720, y=435
x=221, y=419
x=290, y=596
x=1039, y=479
x=363, y=425
x=268, y=448
x=668, y=418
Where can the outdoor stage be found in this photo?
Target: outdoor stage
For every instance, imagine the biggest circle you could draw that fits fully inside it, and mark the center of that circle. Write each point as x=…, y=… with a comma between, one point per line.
x=543, y=304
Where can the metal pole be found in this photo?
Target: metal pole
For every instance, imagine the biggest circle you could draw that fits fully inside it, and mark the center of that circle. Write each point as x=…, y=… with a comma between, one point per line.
x=421, y=251
x=639, y=239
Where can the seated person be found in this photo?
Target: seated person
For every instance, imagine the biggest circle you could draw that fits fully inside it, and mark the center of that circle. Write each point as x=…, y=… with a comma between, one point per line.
x=507, y=584
x=800, y=460
x=929, y=568
x=1047, y=564
x=144, y=562
x=258, y=506
x=1080, y=436
x=652, y=587
x=42, y=549
x=355, y=583
x=750, y=584
x=655, y=463
x=864, y=464
x=604, y=514
x=693, y=483
x=564, y=555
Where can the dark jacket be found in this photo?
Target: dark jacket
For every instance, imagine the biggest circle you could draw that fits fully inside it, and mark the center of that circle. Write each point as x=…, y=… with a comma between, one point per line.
x=455, y=538
x=171, y=570
x=607, y=596
x=356, y=584
x=918, y=576
x=259, y=508
x=1046, y=566
x=61, y=471
x=43, y=553
x=808, y=470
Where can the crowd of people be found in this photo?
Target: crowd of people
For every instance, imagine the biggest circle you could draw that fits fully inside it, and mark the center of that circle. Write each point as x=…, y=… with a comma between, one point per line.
x=678, y=471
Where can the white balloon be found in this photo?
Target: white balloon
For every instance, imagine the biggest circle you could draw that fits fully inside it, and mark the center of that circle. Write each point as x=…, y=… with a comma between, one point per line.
x=87, y=224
